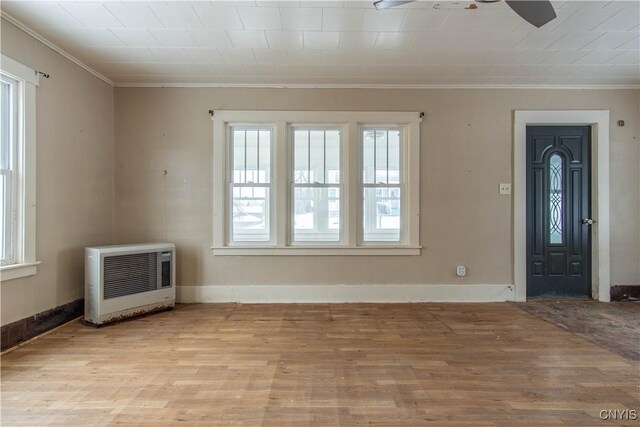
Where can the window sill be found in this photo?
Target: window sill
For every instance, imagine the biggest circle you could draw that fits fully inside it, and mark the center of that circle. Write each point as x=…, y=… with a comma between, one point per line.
x=316, y=251
x=16, y=271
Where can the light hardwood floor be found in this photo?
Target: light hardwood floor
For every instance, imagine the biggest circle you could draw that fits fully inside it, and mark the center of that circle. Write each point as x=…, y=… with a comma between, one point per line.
x=325, y=364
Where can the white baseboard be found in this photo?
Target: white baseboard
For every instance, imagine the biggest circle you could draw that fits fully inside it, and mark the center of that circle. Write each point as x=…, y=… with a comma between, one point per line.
x=345, y=293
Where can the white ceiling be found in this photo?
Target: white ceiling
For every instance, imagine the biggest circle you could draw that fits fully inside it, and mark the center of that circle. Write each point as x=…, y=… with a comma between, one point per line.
x=342, y=42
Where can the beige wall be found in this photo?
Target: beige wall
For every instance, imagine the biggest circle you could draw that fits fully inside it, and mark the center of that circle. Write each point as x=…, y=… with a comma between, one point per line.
x=466, y=153
x=74, y=176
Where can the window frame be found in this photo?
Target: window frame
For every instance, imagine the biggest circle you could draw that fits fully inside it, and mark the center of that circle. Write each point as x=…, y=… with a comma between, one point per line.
x=291, y=128
x=24, y=159
x=402, y=184
x=230, y=185
x=12, y=171
x=351, y=125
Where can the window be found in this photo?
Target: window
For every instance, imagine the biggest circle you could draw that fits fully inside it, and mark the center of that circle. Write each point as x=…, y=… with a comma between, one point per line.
x=250, y=186
x=316, y=183
x=7, y=169
x=556, y=216
x=382, y=185
x=17, y=169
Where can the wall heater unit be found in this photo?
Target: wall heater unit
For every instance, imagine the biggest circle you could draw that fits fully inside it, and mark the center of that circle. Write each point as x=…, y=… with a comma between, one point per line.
x=125, y=281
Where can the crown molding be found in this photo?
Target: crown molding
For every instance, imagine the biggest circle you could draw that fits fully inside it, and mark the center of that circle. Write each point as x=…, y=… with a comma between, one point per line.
x=54, y=47
x=369, y=86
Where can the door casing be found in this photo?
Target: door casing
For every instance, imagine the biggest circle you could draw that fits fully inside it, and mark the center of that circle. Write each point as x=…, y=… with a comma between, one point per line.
x=599, y=122
x=575, y=247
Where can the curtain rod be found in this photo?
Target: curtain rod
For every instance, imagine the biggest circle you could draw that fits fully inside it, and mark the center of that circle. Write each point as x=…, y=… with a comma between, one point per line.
x=212, y=113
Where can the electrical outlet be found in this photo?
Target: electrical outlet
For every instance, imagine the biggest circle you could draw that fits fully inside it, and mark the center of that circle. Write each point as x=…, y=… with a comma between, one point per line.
x=505, y=188
x=461, y=271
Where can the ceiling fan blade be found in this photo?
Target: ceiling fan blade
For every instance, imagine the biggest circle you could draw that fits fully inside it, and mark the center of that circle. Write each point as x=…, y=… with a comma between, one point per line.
x=534, y=12
x=385, y=4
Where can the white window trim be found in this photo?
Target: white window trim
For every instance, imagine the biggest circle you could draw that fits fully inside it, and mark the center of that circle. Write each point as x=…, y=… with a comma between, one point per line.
x=28, y=80
x=351, y=122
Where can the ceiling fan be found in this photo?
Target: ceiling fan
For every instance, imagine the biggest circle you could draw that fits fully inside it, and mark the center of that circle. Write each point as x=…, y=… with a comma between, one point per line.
x=535, y=12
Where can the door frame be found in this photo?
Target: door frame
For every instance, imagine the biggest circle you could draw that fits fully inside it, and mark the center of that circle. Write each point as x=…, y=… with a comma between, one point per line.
x=600, y=258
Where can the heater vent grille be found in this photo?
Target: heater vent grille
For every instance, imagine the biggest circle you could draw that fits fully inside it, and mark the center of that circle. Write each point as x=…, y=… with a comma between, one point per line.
x=130, y=274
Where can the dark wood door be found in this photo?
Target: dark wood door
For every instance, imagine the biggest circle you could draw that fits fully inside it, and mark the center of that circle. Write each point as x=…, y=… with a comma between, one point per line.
x=558, y=210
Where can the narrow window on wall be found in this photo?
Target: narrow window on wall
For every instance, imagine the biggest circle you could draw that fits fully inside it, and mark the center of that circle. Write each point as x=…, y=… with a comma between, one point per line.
x=382, y=185
x=250, y=185
x=8, y=149
x=316, y=185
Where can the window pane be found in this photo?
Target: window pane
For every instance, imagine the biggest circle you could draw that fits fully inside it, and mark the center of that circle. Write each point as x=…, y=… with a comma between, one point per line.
x=555, y=200
x=301, y=157
x=381, y=156
x=316, y=214
x=382, y=214
x=394, y=157
x=5, y=215
x=239, y=156
x=5, y=127
x=368, y=156
x=6, y=173
x=316, y=156
x=264, y=156
x=333, y=157
x=250, y=214
x=251, y=155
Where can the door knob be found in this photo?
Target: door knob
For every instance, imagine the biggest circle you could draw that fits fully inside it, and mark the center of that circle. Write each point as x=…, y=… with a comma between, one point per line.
x=588, y=221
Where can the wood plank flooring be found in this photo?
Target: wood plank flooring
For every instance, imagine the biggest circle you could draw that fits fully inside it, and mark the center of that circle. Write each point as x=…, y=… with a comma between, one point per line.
x=324, y=364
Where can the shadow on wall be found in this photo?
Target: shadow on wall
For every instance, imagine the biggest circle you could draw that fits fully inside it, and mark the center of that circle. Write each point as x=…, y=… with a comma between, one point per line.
x=189, y=264
x=69, y=275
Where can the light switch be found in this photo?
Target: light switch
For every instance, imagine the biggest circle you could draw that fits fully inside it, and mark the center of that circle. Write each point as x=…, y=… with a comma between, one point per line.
x=505, y=188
